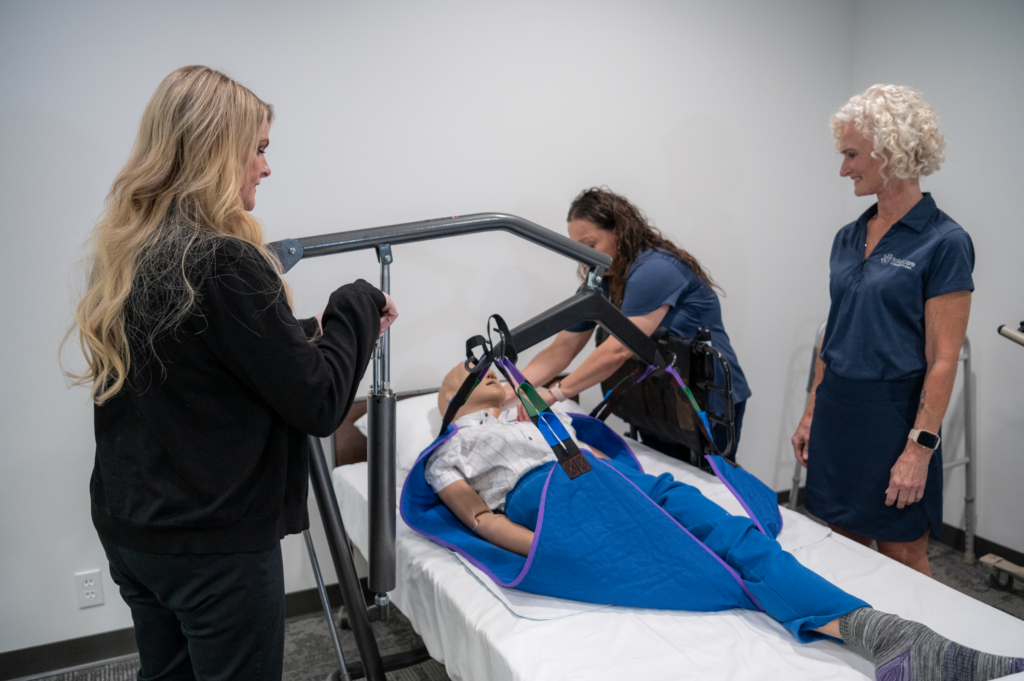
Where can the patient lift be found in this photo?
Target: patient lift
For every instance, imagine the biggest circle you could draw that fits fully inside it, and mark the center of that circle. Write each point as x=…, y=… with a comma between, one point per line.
x=587, y=304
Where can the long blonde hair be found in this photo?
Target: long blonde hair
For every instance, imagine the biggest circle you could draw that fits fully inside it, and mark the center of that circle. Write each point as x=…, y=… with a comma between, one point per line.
x=176, y=199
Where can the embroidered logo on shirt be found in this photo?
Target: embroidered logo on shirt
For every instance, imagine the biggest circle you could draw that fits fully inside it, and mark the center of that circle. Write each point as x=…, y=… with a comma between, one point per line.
x=887, y=259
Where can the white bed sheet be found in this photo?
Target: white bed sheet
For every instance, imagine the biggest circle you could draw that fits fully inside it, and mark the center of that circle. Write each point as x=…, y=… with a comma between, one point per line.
x=479, y=637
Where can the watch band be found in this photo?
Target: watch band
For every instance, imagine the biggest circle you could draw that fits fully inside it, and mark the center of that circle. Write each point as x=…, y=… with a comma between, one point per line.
x=556, y=390
x=924, y=438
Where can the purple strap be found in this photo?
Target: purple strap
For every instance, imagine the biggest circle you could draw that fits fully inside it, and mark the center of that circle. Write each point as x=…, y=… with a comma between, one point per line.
x=672, y=370
x=743, y=503
x=511, y=368
x=703, y=415
x=648, y=372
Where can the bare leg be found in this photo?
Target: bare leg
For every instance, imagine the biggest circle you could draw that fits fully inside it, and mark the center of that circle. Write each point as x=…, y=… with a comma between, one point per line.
x=831, y=629
x=913, y=554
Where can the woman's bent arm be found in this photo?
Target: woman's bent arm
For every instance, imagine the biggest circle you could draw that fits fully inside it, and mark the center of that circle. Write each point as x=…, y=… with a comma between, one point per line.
x=609, y=356
x=553, y=359
x=247, y=324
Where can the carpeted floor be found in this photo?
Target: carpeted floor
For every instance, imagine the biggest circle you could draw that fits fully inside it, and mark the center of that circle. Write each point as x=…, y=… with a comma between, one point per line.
x=121, y=669
x=948, y=567
x=308, y=653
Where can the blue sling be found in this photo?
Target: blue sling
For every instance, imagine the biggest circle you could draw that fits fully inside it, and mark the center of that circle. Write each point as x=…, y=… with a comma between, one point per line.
x=581, y=524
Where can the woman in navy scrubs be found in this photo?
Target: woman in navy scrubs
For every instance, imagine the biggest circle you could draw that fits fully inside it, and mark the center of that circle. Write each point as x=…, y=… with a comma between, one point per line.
x=900, y=282
x=656, y=284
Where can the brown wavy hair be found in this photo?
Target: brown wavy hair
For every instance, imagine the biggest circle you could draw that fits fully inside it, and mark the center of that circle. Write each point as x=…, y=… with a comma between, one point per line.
x=634, y=234
x=175, y=201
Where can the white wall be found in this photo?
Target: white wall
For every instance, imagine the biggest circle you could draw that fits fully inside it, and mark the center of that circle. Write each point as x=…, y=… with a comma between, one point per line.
x=711, y=118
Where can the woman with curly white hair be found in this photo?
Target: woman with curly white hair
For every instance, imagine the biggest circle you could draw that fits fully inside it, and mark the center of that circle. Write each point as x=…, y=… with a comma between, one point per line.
x=900, y=283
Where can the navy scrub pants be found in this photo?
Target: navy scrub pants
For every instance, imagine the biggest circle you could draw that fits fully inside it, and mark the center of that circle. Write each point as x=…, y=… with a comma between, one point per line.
x=214, y=617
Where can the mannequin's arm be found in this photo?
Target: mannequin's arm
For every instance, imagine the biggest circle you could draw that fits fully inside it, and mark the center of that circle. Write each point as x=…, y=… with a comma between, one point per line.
x=463, y=501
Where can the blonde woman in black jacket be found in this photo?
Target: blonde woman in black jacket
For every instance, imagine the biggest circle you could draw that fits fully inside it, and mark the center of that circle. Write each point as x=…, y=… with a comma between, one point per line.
x=205, y=385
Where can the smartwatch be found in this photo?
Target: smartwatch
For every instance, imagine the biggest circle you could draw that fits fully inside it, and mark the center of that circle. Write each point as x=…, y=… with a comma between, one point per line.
x=924, y=438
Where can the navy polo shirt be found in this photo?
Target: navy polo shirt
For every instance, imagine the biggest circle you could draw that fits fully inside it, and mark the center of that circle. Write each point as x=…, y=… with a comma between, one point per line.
x=875, y=327
x=658, y=278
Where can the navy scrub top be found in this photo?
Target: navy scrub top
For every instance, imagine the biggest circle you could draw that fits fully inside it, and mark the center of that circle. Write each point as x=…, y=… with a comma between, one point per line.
x=658, y=278
x=875, y=328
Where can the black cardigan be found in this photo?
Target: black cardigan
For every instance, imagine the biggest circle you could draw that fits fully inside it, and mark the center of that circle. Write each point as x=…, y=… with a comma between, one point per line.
x=205, y=450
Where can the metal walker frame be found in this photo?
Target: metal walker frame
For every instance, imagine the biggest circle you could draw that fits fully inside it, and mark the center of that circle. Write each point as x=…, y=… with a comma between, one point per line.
x=1003, y=571
x=968, y=461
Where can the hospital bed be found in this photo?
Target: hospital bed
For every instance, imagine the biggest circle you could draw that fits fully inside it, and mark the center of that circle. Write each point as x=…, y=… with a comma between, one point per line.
x=480, y=631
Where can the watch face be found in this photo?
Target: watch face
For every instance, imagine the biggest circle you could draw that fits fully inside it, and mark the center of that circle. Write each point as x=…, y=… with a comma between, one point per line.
x=926, y=439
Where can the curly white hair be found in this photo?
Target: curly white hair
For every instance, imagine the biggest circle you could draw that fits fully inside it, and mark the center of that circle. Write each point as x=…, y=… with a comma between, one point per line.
x=902, y=126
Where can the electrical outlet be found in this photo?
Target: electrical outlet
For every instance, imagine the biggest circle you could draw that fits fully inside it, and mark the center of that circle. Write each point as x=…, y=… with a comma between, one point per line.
x=89, y=588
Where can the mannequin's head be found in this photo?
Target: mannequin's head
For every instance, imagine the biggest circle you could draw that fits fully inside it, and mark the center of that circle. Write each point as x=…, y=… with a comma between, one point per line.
x=489, y=394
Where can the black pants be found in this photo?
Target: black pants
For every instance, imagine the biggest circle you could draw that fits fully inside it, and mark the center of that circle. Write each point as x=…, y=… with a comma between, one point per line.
x=718, y=432
x=212, y=617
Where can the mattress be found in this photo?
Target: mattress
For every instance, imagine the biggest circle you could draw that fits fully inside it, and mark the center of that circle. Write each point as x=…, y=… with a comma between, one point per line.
x=469, y=626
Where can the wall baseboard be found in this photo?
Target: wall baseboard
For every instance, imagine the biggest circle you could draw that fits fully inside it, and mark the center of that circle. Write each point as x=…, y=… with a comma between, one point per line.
x=952, y=537
x=64, y=654
x=955, y=538
x=299, y=603
x=111, y=644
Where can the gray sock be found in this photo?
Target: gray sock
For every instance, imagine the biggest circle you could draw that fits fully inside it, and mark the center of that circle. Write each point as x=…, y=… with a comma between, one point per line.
x=909, y=651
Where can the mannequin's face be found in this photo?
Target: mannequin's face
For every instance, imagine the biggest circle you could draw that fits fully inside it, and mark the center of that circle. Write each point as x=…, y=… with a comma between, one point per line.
x=489, y=394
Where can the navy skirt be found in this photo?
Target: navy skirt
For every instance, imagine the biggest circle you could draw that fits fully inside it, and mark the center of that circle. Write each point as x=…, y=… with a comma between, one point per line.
x=858, y=431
